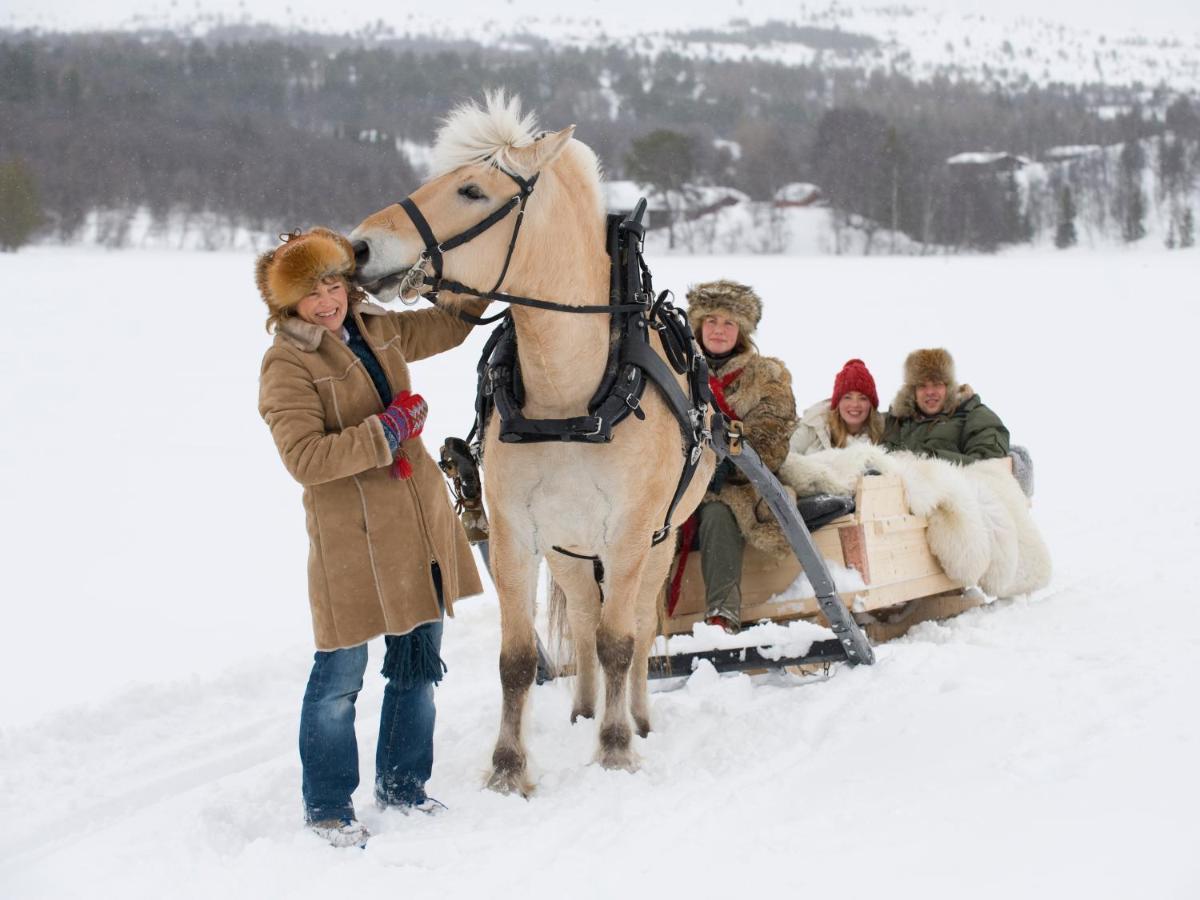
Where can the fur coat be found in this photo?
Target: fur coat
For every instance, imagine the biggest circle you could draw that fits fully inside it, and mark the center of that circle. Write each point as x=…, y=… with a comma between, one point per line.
x=761, y=397
x=980, y=528
x=373, y=539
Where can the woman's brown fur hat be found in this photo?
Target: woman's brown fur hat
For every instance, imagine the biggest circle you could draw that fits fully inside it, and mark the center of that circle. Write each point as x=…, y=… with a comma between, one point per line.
x=290, y=271
x=735, y=301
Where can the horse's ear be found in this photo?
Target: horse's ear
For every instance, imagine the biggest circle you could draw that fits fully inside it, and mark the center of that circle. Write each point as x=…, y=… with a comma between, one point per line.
x=532, y=158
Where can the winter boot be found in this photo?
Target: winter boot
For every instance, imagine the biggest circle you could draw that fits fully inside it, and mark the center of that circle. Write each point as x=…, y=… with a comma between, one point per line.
x=721, y=622
x=428, y=806
x=344, y=832
x=819, y=510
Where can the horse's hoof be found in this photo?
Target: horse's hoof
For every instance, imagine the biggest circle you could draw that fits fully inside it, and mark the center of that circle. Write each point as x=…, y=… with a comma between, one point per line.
x=615, y=752
x=508, y=773
x=624, y=759
x=510, y=783
x=641, y=727
x=582, y=712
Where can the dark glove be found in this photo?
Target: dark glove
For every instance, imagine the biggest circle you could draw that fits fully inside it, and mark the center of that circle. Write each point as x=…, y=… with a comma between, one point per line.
x=404, y=418
x=721, y=474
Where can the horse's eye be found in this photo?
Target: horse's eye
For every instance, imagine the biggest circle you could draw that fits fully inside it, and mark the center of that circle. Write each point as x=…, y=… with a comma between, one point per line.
x=472, y=192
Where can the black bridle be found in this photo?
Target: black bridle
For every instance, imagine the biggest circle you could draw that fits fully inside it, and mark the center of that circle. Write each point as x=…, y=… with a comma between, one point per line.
x=418, y=278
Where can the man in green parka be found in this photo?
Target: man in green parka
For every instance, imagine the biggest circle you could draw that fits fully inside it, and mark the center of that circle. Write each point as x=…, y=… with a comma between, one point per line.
x=933, y=415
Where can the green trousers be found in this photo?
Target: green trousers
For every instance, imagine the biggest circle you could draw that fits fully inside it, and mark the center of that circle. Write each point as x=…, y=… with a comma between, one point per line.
x=721, y=545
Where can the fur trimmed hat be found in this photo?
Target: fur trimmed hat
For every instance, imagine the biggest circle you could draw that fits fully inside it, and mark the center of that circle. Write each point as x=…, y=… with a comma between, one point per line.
x=855, y=376
x=290, y=271
x=927, y=365
x=930, y=365
x=737, y=302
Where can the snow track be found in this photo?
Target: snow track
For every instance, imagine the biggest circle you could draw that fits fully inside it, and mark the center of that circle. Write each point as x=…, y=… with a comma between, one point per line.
x=156, y=657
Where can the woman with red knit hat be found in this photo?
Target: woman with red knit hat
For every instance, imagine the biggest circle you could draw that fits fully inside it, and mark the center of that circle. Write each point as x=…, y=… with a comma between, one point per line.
x=850, y=415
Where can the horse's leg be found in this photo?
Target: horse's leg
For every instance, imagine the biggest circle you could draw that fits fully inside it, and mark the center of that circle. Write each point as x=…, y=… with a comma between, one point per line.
x=577, y=580
x=657, y=569
x=615, y=648
x=514, y=571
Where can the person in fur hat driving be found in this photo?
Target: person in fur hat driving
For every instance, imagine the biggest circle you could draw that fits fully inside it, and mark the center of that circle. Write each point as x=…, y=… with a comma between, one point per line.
x=757, y=390
x=934, y=415
x=387, y=555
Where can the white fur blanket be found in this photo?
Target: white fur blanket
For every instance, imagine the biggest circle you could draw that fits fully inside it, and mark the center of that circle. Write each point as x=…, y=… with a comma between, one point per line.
x=980, y=528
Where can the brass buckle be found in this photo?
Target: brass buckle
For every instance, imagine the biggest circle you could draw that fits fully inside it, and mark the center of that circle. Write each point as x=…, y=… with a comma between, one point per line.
x=735, y=437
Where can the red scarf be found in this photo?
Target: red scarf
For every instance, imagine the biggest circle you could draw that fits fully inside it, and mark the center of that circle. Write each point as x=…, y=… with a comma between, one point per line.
x=688, y=531
x=718, y=385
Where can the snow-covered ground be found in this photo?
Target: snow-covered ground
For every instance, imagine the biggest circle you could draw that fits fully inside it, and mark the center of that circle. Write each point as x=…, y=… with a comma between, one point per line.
x=157, y=632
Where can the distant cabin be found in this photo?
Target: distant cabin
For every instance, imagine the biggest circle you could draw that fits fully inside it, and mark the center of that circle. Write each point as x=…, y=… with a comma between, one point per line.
x=705, y=200
x=697, y=201
x=987, y=161
x=1071, y=152
x=798, y=193
x=623, y=196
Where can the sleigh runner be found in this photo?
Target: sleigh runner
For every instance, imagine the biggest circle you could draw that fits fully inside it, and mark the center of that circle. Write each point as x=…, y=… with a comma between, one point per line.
x=883, y=567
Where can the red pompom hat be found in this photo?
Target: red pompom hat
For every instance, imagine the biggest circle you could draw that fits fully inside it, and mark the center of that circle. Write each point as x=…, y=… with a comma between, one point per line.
x=855, y=376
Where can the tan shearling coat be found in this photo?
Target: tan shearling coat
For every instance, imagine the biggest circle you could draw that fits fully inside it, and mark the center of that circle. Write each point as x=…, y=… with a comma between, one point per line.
x=762, y=398
x=373, y=539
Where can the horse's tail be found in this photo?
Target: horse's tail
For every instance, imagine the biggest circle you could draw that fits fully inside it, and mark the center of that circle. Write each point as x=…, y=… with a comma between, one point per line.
x=561, y=648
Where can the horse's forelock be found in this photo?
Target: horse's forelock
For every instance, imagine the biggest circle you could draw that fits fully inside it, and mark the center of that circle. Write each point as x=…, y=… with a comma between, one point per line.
x=474, y=134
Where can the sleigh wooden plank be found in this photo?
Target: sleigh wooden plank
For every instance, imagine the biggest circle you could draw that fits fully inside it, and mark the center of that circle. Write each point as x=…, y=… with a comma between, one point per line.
x=881, y=545
x=883, y=567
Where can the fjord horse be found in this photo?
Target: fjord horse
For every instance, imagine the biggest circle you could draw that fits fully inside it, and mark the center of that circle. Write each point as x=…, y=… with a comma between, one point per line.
x=603, y=500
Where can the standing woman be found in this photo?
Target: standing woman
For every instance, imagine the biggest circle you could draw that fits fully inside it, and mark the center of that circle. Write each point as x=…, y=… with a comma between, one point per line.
x=850, y=415
x=387, y=555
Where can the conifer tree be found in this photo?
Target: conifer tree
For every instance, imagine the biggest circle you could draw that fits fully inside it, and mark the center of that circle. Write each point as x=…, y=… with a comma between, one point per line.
x=1133, y=207
x=1187, y=230
x=1064, y=235
x=665, y=161
x=20, y=209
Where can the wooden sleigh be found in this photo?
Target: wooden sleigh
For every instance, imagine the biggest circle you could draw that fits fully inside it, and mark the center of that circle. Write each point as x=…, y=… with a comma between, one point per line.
x=898, y=582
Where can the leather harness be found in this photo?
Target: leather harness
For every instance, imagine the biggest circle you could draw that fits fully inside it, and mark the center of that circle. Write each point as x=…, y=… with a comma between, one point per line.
x=632, y=361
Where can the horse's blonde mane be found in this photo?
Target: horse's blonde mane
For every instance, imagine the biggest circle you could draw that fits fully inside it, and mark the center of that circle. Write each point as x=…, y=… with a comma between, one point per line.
x=474, y=134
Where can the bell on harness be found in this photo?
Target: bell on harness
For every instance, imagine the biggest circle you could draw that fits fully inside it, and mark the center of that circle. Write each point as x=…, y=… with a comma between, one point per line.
x=457, y=461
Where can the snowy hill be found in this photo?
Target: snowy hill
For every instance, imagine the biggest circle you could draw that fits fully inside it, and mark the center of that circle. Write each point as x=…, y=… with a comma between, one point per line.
x=922, y=43
x=1020, y=43
x=157, y=627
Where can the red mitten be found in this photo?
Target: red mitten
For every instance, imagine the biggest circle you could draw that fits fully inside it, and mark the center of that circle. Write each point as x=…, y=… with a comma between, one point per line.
x=404, y=418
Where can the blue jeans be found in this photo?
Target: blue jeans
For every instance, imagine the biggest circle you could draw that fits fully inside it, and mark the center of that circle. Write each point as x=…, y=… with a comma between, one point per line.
x=329, y=750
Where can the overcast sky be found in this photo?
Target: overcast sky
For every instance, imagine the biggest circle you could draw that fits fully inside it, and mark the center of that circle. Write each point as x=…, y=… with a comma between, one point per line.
x=1181, y=17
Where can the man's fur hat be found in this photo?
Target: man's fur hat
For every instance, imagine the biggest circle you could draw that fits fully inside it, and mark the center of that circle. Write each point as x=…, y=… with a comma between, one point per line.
x=290, y=271
x=930, y=365
x=737, y=302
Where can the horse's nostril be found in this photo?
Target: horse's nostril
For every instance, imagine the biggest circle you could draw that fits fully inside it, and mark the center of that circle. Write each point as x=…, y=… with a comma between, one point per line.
x=361, y=253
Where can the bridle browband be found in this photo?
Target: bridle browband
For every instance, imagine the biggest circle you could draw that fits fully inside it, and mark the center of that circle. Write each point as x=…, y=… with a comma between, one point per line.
x=418, y=278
